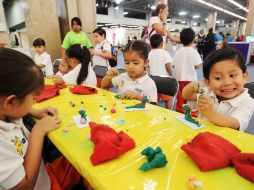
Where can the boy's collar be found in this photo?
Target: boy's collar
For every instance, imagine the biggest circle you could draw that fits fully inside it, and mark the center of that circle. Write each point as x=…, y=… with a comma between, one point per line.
x=141, y=79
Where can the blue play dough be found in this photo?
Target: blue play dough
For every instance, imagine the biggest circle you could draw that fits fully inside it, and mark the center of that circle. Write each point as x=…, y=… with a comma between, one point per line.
x=120, y=121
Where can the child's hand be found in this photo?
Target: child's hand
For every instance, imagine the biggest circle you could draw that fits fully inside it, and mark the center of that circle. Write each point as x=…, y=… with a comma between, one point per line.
x=196, y=86
x=130, y=95
x=205, y=106
x=112, y=72
x=47, y=124
x=40, y=113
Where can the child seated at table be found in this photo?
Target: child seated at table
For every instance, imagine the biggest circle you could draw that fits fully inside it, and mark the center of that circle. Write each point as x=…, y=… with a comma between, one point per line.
x=225, y=101
x=81, y=72
x=135, y=82
x=21, y=165
x=63, y=68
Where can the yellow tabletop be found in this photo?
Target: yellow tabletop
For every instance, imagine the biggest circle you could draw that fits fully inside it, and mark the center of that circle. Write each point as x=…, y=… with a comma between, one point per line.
x=155, y=127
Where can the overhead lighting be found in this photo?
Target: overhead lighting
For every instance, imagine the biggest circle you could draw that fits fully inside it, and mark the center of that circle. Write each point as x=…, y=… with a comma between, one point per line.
x=97, y=4
x=116, y=8
x=239, y=5
x=221, y=9
x=183, y=22
x=119, y=1
x=195, y=16
x=182, y=13
x=194, y=24
x=110, y=24
x=125, y=13
x=153, y=7
x=169, y=19
x=206, y=19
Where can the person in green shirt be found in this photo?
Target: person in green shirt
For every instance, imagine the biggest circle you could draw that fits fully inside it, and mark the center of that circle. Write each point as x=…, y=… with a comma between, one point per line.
x=75, y=36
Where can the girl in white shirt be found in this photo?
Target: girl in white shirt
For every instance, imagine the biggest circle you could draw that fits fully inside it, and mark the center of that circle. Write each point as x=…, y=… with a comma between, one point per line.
x=102, y=52
x=81, y=73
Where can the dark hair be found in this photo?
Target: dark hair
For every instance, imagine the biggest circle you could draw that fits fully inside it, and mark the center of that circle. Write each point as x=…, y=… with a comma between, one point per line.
x=158, y=8
x=210, y=30
x=82, y=54
x=221, y=55
x=19, y=75
x=39, y=42
x=156, y=40
x=187, y=35
x=138, y=46
x=77, y=20
x=100, y=31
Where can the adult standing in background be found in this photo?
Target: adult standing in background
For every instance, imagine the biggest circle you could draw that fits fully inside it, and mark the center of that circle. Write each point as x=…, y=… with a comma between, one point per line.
x=209, y=45
x=158, y=23
x=201, y=42
x=75, y=36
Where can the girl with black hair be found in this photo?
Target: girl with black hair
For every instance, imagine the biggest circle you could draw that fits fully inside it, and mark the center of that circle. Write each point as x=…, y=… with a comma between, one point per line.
x=81, y=73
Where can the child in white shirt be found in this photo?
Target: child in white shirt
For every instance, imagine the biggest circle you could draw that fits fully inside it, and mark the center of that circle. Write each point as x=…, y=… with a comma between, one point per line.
x=160, y=63
x=81, y=72
x=135, y=83
x=42, y=58
x=226, y=102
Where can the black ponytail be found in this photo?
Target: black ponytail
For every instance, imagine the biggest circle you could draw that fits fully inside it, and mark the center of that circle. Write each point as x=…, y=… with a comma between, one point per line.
x=83, y=55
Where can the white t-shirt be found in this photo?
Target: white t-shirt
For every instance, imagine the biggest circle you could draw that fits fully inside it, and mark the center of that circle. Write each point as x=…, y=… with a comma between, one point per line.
x=153, y=20
x=240, y=107
x=72, y=75
x=144, y=86
x=14, y=142
x=185, y=60
x=98, y=60
x=44, y=59
x=158, y=58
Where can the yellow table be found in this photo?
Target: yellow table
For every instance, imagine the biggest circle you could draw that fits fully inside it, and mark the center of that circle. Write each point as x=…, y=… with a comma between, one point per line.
x=156, y=127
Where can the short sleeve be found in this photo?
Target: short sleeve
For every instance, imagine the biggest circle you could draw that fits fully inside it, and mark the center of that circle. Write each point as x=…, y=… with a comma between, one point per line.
x=168, y=58
x=198, y=59
x=116, y=80
x=243, y=114
x=107, y=47
x=66, y=43
x=11, y=165
x=154, y=20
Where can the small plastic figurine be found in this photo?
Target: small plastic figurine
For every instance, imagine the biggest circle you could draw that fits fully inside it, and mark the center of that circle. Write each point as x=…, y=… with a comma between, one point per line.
x=193, y=183
x=188, y=117
x=83, y=115
x=118, y=96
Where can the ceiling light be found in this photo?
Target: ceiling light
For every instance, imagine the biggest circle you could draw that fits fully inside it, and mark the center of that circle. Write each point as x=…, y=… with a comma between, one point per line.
x=169, y=19
x=195, y=16
x=116, y=8
x=183, y=22
x=238, y=5
x=195, y=24
x=119, y=1
x=182, y=13
x=153, y=7
x=220, y=9
x=97, y=4
x=125, y=13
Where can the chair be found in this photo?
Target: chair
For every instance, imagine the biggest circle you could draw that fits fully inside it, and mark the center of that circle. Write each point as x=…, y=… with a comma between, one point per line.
x=167, y=86
x=250, y=86
x=250, y=128
x=100, y=72
x=56, y=64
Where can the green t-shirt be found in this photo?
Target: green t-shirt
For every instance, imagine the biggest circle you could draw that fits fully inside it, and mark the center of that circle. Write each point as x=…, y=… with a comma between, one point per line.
x=72, y=38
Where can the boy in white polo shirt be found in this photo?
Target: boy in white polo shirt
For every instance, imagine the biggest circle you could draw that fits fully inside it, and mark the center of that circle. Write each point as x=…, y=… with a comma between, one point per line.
x=225, y=102
x=186, y=61
x=160, y=63
x=42, y=58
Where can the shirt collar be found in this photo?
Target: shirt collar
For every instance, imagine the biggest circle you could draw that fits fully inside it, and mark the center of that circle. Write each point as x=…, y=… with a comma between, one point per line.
x=8, y=126
x=235, y=102
x=139, y=80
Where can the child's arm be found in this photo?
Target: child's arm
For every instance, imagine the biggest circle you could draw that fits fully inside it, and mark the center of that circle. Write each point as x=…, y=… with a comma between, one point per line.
x=106, y=82
x=205, y=107
x=57, y=79
x=40, y=113
x=32, y=159
x=41, y=65
x=105, y=54
x=169, y=69
x=190, y=91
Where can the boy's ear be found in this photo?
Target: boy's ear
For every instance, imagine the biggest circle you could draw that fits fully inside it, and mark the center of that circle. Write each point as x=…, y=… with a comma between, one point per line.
x=207, y=83
x=9, y=102
x=245, y=76
x=146, y=62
